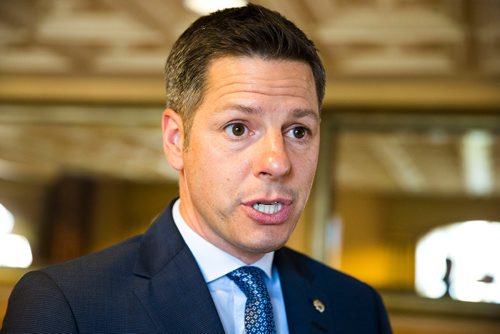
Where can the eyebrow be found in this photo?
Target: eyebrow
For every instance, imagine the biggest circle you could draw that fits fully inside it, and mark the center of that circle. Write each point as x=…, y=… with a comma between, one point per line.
x=298, y=112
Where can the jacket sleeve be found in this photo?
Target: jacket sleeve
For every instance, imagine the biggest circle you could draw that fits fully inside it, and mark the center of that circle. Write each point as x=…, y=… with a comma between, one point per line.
x=37, y=305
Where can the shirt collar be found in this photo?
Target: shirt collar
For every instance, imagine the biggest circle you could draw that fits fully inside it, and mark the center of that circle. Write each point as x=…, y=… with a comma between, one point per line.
x=213, y=261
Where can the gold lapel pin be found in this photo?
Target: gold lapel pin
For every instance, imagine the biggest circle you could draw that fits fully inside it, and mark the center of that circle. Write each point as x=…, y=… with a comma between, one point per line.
x=318, y=305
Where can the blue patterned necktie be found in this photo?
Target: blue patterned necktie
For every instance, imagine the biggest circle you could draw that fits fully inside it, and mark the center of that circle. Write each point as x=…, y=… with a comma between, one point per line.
x=258, y=308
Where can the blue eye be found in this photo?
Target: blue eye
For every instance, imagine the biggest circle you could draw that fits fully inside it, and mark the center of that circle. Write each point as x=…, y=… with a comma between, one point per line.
x=236, y=129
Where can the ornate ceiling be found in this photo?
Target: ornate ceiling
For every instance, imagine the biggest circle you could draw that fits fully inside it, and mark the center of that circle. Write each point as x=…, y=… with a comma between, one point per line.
x=356, y=37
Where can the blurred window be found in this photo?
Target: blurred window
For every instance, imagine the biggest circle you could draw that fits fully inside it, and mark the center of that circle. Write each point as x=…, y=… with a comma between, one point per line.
x=460, y=261
x=15, y=250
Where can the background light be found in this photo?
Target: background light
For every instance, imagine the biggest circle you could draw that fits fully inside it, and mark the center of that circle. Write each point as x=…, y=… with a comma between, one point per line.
x=15, y=250
x=6, y=220
x=204, y=7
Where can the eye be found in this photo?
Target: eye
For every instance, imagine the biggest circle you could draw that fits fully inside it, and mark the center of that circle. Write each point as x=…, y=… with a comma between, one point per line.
x=298, y=132
x=236, y=129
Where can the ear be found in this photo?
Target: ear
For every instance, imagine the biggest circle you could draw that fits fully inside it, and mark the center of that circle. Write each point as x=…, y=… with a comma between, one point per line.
x=173, y=138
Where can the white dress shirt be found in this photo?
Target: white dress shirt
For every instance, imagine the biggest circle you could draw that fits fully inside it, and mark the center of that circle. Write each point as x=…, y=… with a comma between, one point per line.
x=228, y=298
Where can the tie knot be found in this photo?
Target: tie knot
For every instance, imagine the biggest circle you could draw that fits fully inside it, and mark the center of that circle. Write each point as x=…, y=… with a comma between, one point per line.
x=250, y=280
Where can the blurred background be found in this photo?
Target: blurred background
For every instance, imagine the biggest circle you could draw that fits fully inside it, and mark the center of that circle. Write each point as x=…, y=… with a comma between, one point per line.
x=408, y=186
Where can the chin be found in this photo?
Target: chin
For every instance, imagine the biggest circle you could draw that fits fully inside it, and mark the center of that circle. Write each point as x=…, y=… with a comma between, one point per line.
x=267, y=246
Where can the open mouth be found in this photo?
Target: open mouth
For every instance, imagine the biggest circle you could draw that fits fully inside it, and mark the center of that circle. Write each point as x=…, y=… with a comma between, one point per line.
x=268, y=208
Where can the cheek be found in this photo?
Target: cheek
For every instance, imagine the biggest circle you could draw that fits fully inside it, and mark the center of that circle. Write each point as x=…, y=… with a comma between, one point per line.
x=306, y=164
x=215, y=170
x=230, y=165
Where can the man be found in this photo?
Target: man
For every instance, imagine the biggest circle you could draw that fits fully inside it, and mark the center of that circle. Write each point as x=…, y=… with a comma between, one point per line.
x=241, y=127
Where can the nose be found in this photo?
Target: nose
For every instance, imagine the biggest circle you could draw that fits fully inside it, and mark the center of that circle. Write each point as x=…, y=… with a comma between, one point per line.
x=272, y=160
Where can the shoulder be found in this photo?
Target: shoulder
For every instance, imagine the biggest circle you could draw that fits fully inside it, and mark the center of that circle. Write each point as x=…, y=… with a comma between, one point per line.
x=102, y=273
x=37, y=296
x=84, y=292
x=43, y=298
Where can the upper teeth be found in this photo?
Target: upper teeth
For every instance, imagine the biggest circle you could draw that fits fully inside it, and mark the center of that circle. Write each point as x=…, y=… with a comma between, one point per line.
x=268, y=208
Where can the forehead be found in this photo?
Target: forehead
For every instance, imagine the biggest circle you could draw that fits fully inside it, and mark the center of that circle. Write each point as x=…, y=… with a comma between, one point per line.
x=257, y=77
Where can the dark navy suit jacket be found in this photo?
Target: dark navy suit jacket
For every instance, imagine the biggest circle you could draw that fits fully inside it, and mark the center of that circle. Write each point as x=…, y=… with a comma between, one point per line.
x=152, y=284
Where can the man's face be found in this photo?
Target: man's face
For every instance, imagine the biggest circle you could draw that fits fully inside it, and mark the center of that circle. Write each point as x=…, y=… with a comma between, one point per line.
x=252, y=154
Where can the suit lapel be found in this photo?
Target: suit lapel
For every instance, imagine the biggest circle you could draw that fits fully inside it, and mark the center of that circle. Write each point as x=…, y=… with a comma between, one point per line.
x=169, y=283
x=300, y=295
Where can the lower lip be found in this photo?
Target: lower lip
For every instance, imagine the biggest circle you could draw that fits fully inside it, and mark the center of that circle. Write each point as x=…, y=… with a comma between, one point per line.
x=266, y=218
